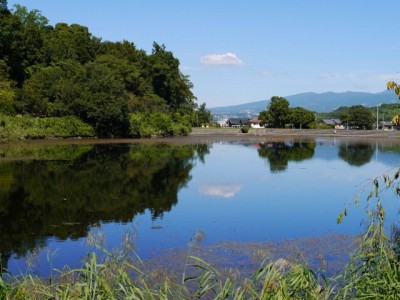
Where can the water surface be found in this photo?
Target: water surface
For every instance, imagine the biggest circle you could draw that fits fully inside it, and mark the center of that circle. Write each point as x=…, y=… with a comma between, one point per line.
x=53, y=198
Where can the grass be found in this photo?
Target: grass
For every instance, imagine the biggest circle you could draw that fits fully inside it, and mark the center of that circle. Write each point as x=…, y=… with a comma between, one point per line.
x=123, y=280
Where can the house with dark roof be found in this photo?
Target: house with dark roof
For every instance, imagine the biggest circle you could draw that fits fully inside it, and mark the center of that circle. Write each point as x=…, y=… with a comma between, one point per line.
x=335, y=123
x=386, y=125
x=238, y=122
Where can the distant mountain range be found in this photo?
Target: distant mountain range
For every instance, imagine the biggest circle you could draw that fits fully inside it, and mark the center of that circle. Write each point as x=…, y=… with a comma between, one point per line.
x=324, y=102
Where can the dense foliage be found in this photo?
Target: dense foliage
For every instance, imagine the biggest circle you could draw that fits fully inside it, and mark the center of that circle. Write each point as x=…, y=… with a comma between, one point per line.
x=64, y=70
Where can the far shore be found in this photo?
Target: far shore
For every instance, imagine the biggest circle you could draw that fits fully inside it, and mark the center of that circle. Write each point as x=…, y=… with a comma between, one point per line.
x=199, y=135
x=283, y=133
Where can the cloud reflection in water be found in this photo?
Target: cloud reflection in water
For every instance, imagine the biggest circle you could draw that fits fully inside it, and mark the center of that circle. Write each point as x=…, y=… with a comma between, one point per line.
x=225, y=190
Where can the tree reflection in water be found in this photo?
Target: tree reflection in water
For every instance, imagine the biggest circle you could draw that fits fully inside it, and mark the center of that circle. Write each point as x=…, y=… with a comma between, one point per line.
x=279, y=154
x=61, y=192
x=356, y=154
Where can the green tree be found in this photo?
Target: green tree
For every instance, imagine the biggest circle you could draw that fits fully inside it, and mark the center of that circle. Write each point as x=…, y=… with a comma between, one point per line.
x=202, y=116
x=345, y=117
x=265, y=117
x=139, y=85
x=278, y=112
x=51, y=91
x=168, y=82
x=12, y=45
x=301, y=117
x=3, y=6
x=103, y=100
x=7, y=91
x=361, y=117
x=73, y=42
x=7, y=96
x=34, y=29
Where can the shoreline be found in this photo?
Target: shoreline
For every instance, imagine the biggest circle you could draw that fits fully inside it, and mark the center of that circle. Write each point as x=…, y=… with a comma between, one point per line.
x=276, y=132
x=217, y=134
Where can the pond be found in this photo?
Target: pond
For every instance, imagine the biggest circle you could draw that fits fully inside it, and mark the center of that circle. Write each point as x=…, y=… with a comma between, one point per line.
x=57, y=198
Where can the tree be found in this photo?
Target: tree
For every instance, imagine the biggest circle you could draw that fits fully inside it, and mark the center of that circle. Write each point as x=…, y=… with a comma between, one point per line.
x=278, y=113
x=73, y=42
x=168, y=82
x=202, y=116
x=7, y=91
x=265, y=117
x=301, y=117
x=345, y=117
x=34, y=28
x=12, y=45
x=3, y=7
x=51, y=91
x=361, y=117
x=103, y=101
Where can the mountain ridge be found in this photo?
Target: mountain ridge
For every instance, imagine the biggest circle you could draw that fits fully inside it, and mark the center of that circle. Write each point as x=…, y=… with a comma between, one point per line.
x=318, y=102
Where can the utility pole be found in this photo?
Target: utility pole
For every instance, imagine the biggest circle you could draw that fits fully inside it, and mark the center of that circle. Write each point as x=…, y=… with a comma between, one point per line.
x=377, y=117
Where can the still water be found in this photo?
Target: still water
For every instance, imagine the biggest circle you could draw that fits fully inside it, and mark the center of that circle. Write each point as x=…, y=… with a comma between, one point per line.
x=54, y=198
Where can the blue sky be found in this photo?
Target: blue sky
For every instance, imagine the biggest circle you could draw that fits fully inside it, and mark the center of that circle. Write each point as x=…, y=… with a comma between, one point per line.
x=243, y=51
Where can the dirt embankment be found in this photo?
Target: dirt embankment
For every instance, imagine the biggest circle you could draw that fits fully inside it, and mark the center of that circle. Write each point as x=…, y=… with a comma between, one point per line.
x=273, y=132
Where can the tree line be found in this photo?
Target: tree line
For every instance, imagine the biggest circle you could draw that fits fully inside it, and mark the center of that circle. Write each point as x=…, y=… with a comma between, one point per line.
x=279, y=114
x=63, y=70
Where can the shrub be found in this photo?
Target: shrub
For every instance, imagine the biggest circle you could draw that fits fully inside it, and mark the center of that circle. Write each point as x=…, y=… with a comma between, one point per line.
x=23, y=127
x=158, y=124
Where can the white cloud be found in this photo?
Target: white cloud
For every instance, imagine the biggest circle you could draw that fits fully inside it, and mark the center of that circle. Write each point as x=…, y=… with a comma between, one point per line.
x=220, y=190
x=227, y=59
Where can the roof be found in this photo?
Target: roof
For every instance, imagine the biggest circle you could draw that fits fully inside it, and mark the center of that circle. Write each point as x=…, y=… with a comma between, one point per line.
x=328, y=121
x=334, y=121
x=386, y=123
x=238, y=121
x=255, y=120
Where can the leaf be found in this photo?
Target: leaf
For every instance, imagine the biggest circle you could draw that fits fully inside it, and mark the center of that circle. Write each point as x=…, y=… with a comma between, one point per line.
x=376, y=183
x=398, y=191
x=357, y=201
x=340, y=218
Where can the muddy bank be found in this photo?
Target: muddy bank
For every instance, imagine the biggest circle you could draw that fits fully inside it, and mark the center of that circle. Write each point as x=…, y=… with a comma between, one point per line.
x=327, y=254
